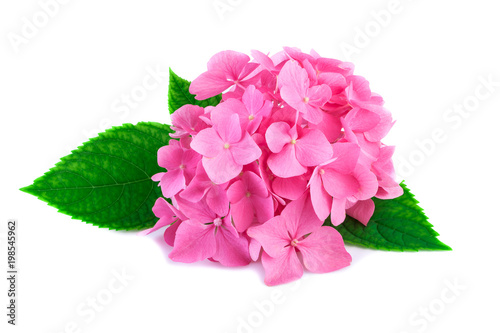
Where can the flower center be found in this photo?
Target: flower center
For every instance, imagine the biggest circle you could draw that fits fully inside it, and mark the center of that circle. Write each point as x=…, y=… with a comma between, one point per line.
x=226, y=145
x=293, y=141
x=306, y=99
x=182, y=166
x=321, y=171
x=294, y=242
x=248, y=194
x=251, y=117
x=218, y=222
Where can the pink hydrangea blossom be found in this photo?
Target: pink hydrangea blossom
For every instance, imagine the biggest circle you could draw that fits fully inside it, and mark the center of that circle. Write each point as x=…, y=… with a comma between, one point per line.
x=296, y=139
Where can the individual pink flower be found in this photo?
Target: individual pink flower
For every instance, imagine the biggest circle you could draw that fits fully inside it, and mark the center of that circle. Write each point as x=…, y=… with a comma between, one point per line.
x=295, y=149
x=296, y=92
x=251, y=109
x=186, y=120
x=168, y=216
x=201, y=187
x=180, y=164
x=250, y=200
x=256, y=108
x=298, y=229
x=339, y=179
x=208, y=235
x=225, y=149
x=225, y=69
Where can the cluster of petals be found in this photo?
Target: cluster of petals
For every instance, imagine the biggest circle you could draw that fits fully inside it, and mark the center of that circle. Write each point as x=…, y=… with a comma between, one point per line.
x=296, y=140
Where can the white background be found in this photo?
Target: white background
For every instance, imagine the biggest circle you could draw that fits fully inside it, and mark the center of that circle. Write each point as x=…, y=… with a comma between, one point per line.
x=59, y=87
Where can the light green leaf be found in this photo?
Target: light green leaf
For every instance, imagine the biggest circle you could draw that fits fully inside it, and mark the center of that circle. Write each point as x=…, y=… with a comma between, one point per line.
x=179, y=95
x=107, y=181
x=397, y=224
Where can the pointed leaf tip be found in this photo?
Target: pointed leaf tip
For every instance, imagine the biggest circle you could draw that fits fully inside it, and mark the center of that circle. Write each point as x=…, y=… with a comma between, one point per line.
x=398, y=224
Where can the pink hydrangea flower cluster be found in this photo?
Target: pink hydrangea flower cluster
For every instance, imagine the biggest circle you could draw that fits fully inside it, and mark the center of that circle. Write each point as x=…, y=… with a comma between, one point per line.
x=296, y=139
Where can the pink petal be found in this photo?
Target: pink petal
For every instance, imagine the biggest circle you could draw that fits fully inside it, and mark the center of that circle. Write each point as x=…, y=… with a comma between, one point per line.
x=285, y=164
x=362, y=210
x=254, y=248
x=335, y=81
x=243, y=213
x=208, y=143
x=255, y=184
x=253, y=99
x=339, y=185
x=199, y=212
x=236, y=191
x=310, y=112
x=170, y=232
x=221, y=168
x=319, y=95
x=209, y=84
x=358, y=89
x=330, y=126
x=284, y=268
x=388, y=189
x=162, y=208
x=290, y=188
x=362, y=120
x=170, y=157
x=345, y=156
x=229, y=62
x=264, y=208
x=172, y=182
x=196, y=189
x=187, y=118
x=313, y=148
x=229, y=128
x=263, y=60
x=321, y=200
x=272, y=235
x=337, y=214
x=245, y=151
x=190, y=159
x=300, y=218
x=323, y=251
x=217, y=199
x=378, y=132
x=278, y=135
x=293, y=82
x=157, y=176
x=368, y=184
x=194, y=241
x=231, y=250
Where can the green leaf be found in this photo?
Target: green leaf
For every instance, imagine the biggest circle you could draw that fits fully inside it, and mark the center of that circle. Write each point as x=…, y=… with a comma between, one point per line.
x=179, y=95
x=107, y=181
x=397, y=224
